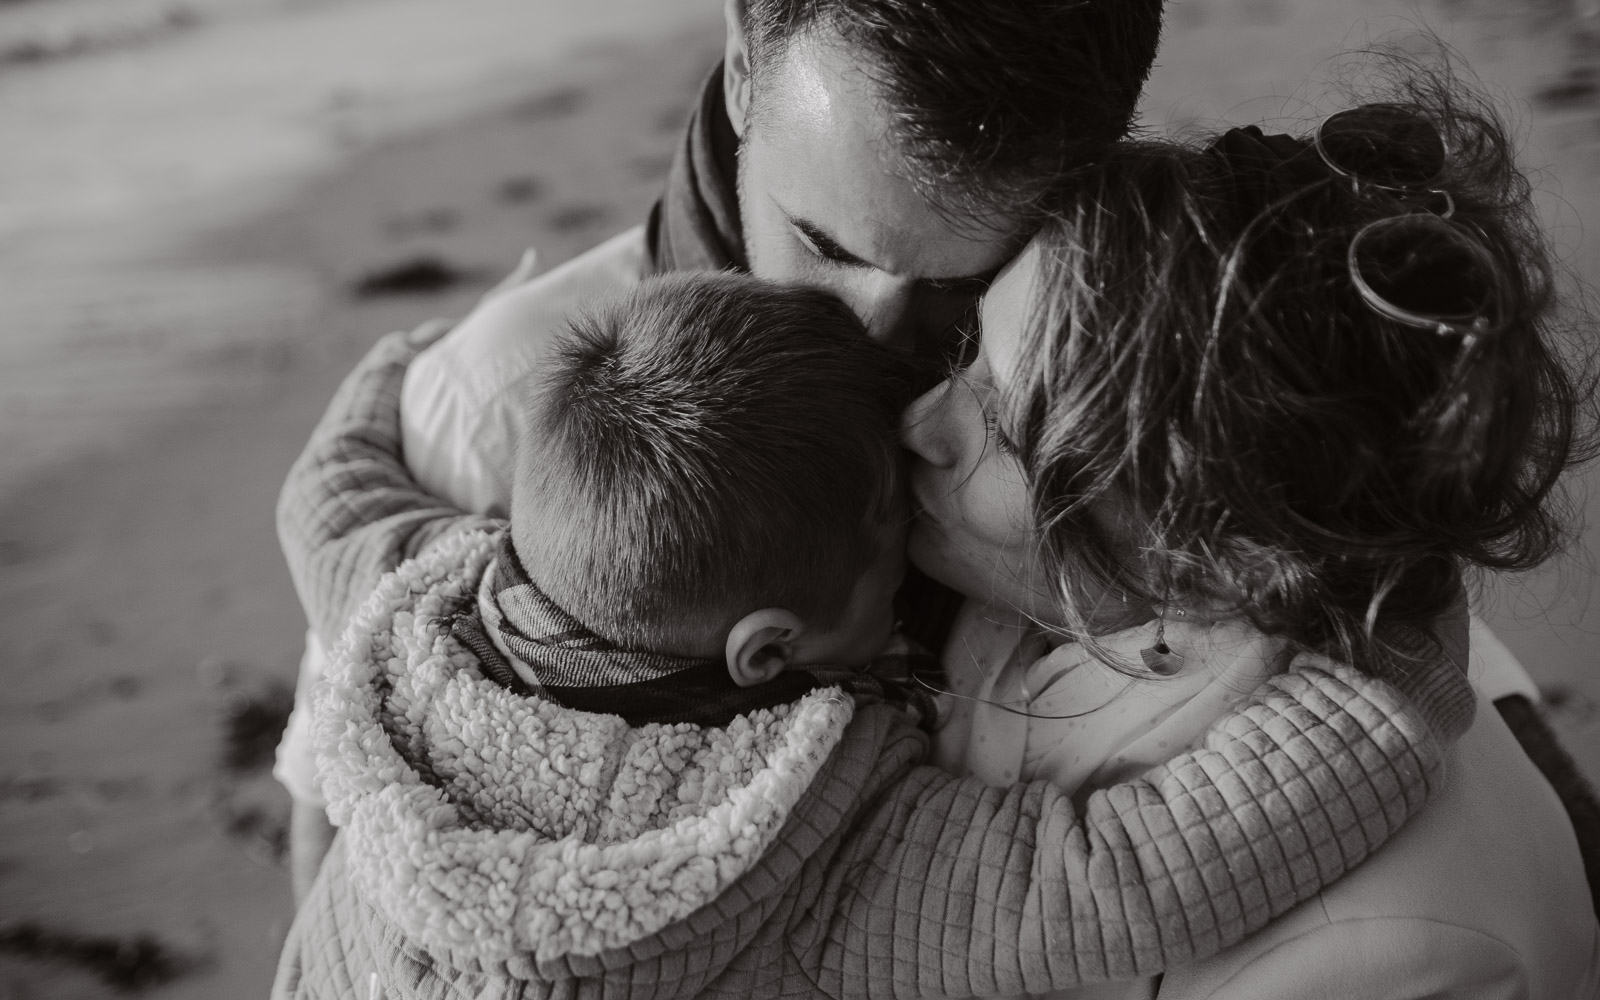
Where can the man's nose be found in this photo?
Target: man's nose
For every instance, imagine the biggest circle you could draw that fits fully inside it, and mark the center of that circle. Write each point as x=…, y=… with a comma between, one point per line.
x=885, y=305
x=925, y=427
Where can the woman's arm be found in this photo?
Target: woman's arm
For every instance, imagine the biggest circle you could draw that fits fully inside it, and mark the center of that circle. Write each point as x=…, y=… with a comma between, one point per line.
x=948, y=887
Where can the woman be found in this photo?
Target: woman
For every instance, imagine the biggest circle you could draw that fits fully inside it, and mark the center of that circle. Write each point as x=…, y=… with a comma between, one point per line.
x=1240, y=406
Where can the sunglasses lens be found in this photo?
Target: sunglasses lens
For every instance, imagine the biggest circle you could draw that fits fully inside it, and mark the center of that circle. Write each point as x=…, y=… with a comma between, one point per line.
x=1383, y=144
x=1424, y=271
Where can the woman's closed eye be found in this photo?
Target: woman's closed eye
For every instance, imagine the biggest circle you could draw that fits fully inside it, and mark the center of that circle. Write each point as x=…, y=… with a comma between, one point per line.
x=997, y=434
x=986, y=397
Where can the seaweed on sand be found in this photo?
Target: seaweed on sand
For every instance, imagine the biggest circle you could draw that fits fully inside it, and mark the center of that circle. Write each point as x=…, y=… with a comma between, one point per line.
x=130, y=964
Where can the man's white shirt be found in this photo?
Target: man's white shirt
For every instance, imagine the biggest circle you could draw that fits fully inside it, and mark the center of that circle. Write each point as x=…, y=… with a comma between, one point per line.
x=459, y=411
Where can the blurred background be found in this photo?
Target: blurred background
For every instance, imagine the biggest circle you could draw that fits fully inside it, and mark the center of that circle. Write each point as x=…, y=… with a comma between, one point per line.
x=209, y=208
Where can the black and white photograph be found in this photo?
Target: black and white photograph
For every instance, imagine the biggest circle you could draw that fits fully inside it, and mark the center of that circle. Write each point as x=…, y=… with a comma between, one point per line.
x=659, y=499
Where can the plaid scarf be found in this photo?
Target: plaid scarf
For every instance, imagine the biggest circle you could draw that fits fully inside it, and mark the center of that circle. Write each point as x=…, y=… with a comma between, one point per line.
x=695, y=226
x=517, y=632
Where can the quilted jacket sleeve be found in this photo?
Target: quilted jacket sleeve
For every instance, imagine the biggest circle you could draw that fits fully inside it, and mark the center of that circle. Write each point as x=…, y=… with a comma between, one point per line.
x=350, y=511
x=948, y=887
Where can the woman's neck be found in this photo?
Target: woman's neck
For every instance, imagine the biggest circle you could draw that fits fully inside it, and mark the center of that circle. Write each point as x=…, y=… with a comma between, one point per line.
x=1058, y=712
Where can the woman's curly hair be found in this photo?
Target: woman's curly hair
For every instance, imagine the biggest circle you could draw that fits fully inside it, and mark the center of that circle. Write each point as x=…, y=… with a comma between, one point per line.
x=1279, y=449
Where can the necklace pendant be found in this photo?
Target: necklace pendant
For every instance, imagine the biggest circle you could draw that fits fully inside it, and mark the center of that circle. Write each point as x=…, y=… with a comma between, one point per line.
x=1160, y=659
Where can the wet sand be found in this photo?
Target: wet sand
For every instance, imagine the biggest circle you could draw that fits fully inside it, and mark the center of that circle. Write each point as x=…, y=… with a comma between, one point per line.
x=184, y=244
x=174, y=349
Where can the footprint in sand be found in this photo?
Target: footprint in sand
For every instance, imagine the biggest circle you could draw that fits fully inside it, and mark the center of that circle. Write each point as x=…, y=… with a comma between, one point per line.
x=519, y=190
x=1580, y=86
x=424, y=274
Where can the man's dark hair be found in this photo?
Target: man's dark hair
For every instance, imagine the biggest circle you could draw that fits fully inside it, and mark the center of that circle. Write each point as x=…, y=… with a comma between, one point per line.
x=704, y=446
x=991, y=101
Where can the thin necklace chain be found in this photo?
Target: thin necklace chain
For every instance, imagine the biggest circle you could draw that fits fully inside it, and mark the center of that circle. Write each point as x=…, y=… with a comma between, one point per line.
x=1002, y=706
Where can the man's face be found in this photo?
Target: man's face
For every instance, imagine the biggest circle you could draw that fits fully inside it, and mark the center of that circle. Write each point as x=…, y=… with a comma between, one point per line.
x=825, y=202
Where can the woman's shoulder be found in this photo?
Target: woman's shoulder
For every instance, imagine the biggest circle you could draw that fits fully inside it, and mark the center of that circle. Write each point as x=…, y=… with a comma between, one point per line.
x=1484, y=887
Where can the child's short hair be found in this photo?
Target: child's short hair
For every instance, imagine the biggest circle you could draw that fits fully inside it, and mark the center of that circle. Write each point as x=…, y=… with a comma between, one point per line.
x=704, y=446
x=1289, y=451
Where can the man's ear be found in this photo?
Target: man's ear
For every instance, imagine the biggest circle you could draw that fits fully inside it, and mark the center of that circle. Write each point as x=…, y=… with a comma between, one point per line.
x=736, y=66
x=761, y=645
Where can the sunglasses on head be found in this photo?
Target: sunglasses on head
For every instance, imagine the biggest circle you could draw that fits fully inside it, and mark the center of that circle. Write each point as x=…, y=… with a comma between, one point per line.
x=1422, y=269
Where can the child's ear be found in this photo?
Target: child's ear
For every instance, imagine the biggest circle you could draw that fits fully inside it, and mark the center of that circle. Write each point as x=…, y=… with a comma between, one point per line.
x=761, y=645
x=736, y=66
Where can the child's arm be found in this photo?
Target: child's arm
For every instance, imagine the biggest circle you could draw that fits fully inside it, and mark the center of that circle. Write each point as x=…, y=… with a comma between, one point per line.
x=350, y=511
x=948, y=887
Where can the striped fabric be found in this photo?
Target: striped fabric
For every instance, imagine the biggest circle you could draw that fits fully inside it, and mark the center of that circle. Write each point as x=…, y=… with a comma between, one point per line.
x=557, y=648
x=528, y=643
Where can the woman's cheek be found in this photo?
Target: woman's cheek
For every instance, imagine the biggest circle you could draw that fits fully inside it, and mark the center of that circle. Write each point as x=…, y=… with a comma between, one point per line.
x=1001, y=507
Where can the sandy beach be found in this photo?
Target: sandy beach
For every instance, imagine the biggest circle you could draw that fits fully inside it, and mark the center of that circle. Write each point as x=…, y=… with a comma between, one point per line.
x=208, y=210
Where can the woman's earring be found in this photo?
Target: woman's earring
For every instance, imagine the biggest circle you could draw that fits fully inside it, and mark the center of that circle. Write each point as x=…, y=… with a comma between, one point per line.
x=1160, y=659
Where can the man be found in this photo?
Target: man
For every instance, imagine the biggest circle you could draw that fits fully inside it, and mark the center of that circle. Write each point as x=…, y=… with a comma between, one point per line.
x=891, y=151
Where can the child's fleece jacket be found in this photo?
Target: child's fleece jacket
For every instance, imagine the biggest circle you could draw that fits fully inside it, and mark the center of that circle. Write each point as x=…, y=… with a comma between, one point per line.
x=494, y=845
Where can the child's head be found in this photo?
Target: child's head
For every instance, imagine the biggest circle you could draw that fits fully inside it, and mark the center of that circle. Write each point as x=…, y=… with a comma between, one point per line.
x=1237, y=351
x=709, y=468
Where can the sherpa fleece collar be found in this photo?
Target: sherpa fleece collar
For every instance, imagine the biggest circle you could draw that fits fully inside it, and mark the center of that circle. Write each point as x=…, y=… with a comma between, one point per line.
x=491, y=824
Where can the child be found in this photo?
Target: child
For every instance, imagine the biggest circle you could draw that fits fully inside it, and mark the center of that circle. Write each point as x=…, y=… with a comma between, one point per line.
x=708, y=473
x=611, y=751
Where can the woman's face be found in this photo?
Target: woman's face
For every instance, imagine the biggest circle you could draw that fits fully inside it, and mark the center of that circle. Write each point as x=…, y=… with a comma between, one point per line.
x=973, y=528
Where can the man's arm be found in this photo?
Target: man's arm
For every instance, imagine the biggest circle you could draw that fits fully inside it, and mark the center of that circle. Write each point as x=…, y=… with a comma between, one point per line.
x=349, y=511
x=945, y=886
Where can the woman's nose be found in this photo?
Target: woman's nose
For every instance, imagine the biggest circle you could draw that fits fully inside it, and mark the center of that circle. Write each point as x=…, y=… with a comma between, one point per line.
x=925, y=429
